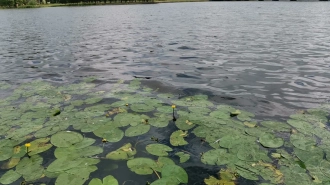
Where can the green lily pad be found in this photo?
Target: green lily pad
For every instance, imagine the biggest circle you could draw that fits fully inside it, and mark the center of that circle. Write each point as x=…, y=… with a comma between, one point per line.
x=39, y=146
x=108, y=180
x=199, y=110
x=77, y=102
x=177, y=138
x=161, y=161
x=9, y=177
x=184, y=157
x=67, y=163
x=183, y=123
x=141, y=107
x=142, y=166
x=125, y=119
x=74, y=152
x=158, y=149
x=160, y=120
x=76, y=179
x=66, y=138
x=125, y=152
x=47, y=131
x=165, y=109
x=93, y=100
x=305, y=155
x=137, y=130
x=89, y=125
x=245, y=116
x=175, y=172
x=6, y=153
x=30, y=168
x=270, y=141
x=218, y=157
x=110, y=133
x=302, y=142
x=166, y=181
x=165, y=96
x=220, y=114
x=277, y=126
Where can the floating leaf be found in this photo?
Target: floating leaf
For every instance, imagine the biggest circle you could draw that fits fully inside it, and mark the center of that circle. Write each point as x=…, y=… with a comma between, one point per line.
x=137, y=130
x=214, y=181
x=184, y=123
x=76, y=179
x=125, y=119
x=5, y=153
x=74, y=152
x=177, y=138
x=39, y=146
x=141, y=107
x=9, y=177
x=250, y=124
x=110, y=133
x=11, y=163
x=30, y=168
x=66, y=138
x=220, y=114
x=199, y=110
x=165, y=109
x=270, y=141
x=160, y=121
x=67, y=163
x=175, y=172
x=302, y=142
x=218, y=157
x=161, y=161
x=158, y=149
x=125, y=152
x=277, y=126
x=93, y=100
x=142, y=166
x=108, y=180
x=183, y=156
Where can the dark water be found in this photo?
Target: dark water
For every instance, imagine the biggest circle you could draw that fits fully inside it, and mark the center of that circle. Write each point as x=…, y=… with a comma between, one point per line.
x=270, y=58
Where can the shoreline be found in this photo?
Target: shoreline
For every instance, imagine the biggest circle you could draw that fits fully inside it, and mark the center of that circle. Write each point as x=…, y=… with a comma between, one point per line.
x=100, y=4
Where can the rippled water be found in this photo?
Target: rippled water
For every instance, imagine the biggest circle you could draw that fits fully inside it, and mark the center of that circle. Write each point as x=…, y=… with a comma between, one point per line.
x=270, y=58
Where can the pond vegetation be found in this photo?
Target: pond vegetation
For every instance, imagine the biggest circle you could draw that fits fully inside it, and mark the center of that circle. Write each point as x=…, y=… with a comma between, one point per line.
x=39, y=117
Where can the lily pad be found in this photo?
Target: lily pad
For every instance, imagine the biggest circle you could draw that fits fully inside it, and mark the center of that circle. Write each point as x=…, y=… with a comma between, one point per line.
x=220, y=114
x=110, y=133
x=11, y=163
x=5, y=153
x=183, y=156
x=66, y=138
x=165, y=109
x=108, y=180
x=160, y=121
x=125, y=119
x=199, y=110
x=142, y=166
x=125, y=152
x=175, y=172
x=270, y=141
x=177, y=138
x=39, y=146
x=9, y=177
x=214, y=181
x=218, y=157
x=76, y=179
x=161, y=161
x=184, y=123
x=74, y=152
x=277, y=126
x=158, y=149
x=141, y=107
x=302, y=142
x=137, y=130
x=30, y=168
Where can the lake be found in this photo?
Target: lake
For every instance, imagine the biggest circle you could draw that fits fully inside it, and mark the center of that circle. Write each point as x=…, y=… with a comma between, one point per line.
x=268, y=58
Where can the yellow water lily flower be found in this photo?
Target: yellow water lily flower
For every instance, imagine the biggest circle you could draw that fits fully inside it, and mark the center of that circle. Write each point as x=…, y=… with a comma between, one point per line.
x=104, y=140
x=173, y=106
x=27, y=145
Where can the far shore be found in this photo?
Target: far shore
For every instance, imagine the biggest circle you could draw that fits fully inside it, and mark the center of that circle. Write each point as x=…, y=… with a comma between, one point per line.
x=100, y=3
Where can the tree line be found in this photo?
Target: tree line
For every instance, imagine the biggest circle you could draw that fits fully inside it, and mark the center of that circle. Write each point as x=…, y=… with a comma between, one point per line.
x=20, y=3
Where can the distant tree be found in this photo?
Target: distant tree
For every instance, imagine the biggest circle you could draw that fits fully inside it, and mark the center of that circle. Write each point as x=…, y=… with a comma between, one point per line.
x=7, y=3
